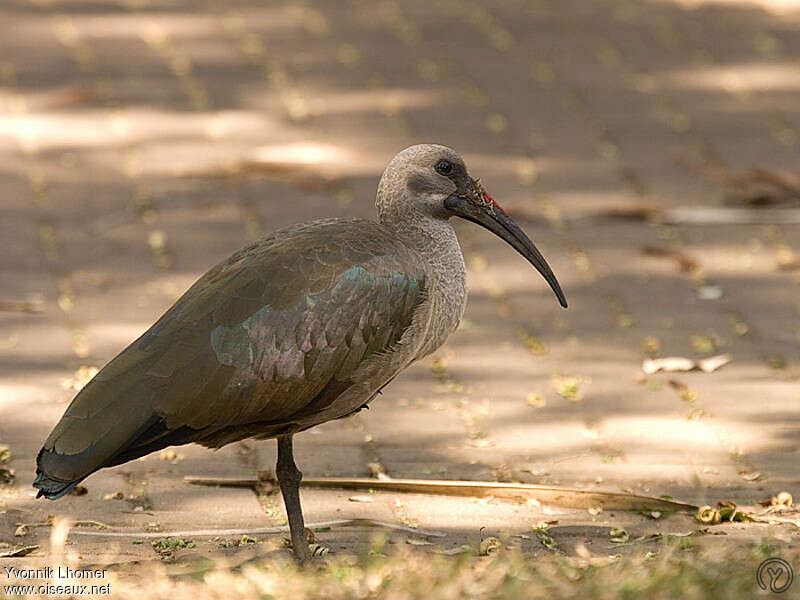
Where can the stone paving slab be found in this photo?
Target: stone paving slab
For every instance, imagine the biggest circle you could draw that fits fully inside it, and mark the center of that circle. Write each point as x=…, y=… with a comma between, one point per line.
x=142, y=141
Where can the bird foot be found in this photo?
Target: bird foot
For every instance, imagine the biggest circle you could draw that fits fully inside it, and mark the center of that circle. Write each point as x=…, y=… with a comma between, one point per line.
x=312, y=549
x=318, y=550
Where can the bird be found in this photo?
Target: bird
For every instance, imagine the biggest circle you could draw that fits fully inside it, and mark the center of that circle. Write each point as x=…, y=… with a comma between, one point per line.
x=301, y=327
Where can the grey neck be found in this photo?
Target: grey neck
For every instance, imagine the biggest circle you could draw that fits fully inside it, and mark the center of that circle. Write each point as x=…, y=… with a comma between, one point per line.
x=435, y=239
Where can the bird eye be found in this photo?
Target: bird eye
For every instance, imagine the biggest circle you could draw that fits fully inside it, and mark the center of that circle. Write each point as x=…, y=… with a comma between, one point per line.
x=444, y=167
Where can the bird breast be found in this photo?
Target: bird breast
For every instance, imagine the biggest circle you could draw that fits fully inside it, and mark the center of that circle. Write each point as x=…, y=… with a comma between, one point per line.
x=447, y=297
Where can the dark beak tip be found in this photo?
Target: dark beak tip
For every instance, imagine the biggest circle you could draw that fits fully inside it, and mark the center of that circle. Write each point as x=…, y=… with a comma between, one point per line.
x=562, y=299
x=499, y=223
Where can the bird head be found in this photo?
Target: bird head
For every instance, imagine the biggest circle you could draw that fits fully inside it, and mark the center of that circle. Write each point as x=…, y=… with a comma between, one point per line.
x=436, y=179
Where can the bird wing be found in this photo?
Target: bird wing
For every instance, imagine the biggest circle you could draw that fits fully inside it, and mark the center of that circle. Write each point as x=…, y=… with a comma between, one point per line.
x=274, y=333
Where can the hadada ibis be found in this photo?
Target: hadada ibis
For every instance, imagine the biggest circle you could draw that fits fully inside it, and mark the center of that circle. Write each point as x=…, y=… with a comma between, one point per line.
x=304, y=326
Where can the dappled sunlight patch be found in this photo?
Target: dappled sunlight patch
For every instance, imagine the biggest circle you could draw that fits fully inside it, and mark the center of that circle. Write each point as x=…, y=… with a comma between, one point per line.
x=545, y=438
x=389, y=100
x=737, y=79
x=683, y=435
x=772, y=6
x=37, y=388
x=89, y=128
x=636, y=439
x=121, y=25
x=115, y=334
x=301, y=154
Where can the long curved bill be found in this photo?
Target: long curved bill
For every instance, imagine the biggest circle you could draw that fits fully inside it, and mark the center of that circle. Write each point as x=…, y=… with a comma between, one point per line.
x=479, y=207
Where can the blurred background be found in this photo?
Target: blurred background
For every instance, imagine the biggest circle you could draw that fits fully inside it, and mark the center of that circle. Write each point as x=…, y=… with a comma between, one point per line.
x=650, y=148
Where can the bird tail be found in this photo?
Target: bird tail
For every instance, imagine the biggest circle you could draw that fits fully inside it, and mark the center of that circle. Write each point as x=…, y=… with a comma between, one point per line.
x=93, y=431
x=52, y=488
x=78, y=446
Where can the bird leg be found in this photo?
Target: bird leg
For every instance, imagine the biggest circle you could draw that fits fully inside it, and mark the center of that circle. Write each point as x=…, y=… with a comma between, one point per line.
x=289, y=477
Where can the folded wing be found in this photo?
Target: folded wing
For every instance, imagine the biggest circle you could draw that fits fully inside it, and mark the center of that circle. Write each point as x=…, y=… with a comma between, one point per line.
x=266, y=338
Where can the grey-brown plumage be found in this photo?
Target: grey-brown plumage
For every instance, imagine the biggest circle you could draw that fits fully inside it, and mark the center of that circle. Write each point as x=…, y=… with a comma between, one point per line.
x=301, y=327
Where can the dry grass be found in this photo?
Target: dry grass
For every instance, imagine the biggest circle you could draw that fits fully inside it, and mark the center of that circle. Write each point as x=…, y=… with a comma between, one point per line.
x=677, y=569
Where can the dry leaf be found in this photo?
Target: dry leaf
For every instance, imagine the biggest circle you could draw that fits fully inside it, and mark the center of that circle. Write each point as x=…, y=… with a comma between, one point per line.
x=489, y=546
x=651, y=346
x=680, y=364
x=438, y=366
x=546, y=540
x=725, y=511
x=686, y=394
x=781, y=499
x=535, y=400
x=672, y=364
x=17, y=552
x=418, y=542
x=536, y=346
x=568, y=387
x=6, y=476
x=619, y=535
x=707, y=514
x=705, y=344
x=684, y=262
x=711, y=364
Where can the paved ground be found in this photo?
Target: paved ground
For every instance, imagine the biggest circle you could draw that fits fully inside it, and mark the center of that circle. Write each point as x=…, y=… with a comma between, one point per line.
x=142, y=141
